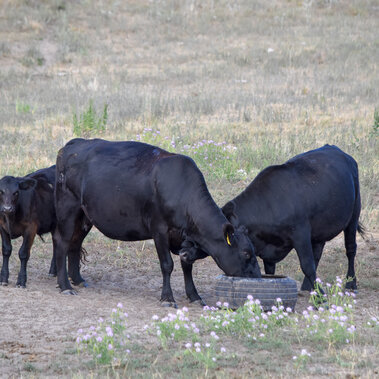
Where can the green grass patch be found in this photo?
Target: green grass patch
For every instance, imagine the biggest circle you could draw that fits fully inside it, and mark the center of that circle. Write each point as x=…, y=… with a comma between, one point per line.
x=88, y=123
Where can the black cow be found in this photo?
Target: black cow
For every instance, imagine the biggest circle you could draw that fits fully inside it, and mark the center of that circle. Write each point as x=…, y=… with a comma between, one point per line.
x=26, y=209
x=300, y=204
x=134, y=191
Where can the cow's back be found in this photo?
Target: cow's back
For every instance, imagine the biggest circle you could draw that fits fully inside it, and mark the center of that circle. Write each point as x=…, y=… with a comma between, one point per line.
x=114, y=182
x=318, y=188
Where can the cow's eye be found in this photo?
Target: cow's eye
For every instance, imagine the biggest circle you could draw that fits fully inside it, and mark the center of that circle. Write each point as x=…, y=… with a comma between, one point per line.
x=1, y=192
x=15, y=194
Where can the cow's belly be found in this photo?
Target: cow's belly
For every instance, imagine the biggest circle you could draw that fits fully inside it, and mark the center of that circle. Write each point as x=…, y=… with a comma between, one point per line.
x=273, y=253
x=118, y=216
x=326, y=227
x=118, y=225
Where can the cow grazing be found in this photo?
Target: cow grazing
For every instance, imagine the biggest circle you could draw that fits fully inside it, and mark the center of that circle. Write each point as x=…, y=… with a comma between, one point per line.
x=300, y=204
x=134, y=191
x=26, y=209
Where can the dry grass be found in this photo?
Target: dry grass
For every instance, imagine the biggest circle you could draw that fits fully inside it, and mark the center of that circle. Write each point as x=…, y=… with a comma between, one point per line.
x=272, y=78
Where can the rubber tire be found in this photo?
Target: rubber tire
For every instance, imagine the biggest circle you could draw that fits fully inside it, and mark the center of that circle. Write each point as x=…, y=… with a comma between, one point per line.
x=234, y=290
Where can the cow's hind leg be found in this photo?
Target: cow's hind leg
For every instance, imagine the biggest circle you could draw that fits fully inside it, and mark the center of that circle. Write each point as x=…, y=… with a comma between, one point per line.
x=7, y=251
x=53, y=263
x=317, y=252
x=82, y=228
x=191, y=291
x=167, y=265
x=351, y=249
x=68, y=210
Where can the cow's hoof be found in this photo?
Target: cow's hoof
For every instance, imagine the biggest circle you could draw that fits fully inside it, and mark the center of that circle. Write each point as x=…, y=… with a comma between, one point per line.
x=199, y=302
x=52, y=275
x=351, y=288
x=21, y=286
x=69, y=292
x=5, y=284
x=81, y=284
x=302, y=293
x=168, y=304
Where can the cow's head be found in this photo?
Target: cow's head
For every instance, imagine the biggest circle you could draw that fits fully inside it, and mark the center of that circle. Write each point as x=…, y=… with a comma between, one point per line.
x=190, y=251
x=236, y=235
x=235, y=253
x=10, y=188
x=243, y=261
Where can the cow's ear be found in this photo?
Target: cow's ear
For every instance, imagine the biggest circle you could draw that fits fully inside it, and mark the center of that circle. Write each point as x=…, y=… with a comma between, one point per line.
x=228, y=210
x=228, y=230
x=26, y=184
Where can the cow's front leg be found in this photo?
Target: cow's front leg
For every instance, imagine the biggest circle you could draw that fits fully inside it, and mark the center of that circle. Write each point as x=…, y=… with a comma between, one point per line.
x=7, y=251
x=191, y=291
x=317, y=252
x=167, y=265
x=269, y=267
x=304, y=251
x=24, y=254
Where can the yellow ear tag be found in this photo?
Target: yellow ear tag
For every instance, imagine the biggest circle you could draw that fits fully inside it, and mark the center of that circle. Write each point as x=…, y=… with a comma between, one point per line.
x=228, y=240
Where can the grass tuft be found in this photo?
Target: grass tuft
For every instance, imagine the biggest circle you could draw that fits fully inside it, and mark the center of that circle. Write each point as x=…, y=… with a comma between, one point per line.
x=89, y=124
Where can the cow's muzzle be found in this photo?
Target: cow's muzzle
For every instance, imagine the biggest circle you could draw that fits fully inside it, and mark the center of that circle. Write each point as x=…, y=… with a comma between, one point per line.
x=7, y=209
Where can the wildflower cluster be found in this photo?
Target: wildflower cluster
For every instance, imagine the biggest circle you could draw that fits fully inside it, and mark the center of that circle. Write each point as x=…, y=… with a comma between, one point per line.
x=107, y=339
x=332, y=321
x=373, y=323
x=175, y=327
x=207, y=353
x=249, y=320
x=302, y=358
x=218, y=159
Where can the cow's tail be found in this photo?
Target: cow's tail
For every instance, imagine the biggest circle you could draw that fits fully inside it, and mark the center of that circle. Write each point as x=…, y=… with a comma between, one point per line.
x=83, y=255
x=362, y=231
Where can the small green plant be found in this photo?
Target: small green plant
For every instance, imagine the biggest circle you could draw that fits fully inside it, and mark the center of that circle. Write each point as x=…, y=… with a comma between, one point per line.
x=23, y=107
x=89, y=123
x=375, y=126
x=28, y=366
x=33, y=57
x=207, y=354
x=302, y=359
x=373, y=323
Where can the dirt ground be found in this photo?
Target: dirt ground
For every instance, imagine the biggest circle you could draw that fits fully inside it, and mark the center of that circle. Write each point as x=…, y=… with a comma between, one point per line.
x=38, y=325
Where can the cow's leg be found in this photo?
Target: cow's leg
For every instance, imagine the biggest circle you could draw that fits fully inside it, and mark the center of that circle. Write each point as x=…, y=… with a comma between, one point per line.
x=189, y=284
x=317, y=252
x=7, y=251
x=53, y=264
x=303, y=247
x=269, y=267
x=68, y=209
x=82, y=228
x=24, y=253
x=351, y=249
x=167, y=265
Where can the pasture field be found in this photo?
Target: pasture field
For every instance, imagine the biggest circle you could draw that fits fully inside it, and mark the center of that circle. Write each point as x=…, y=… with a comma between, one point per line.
x=236, y=84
